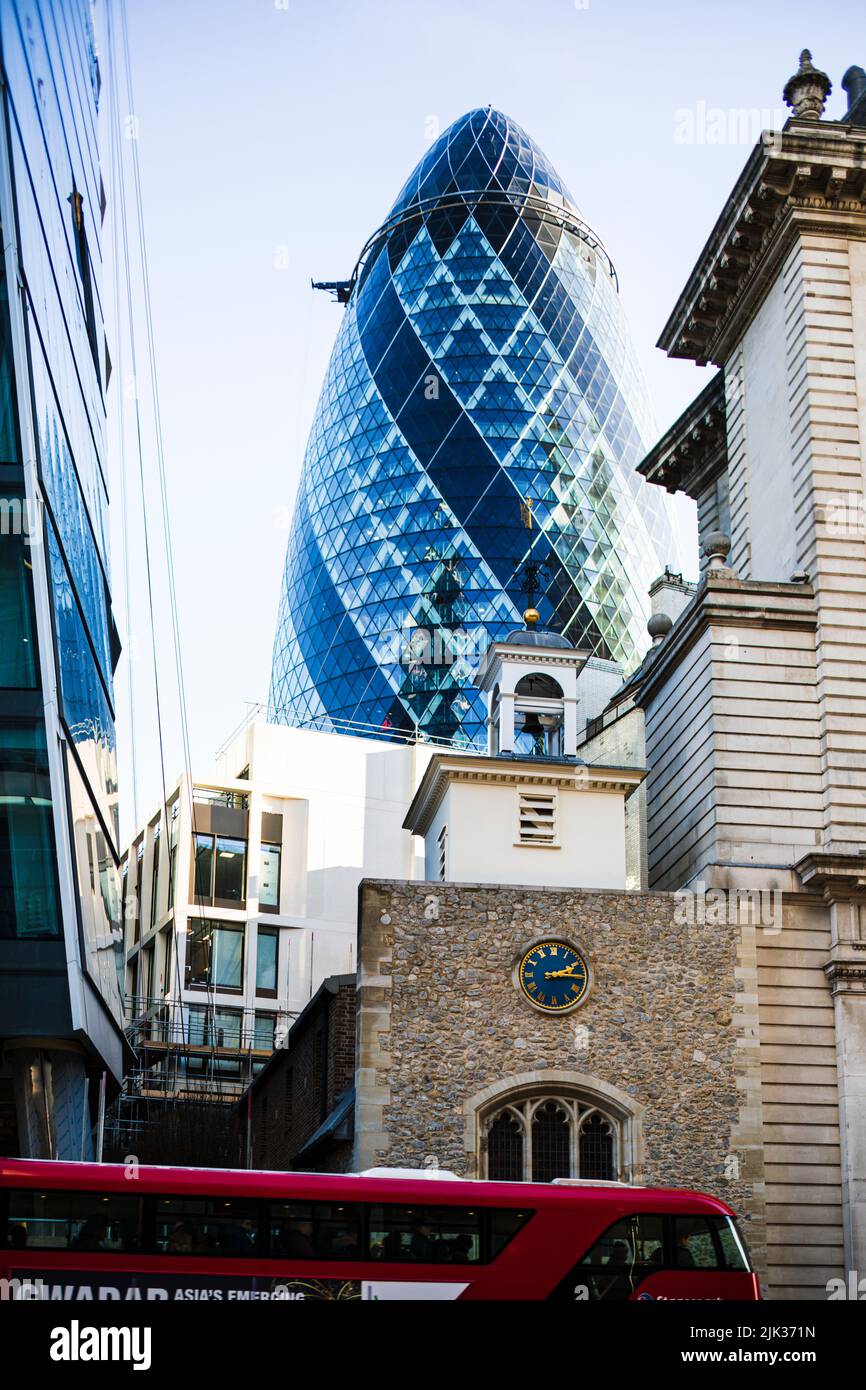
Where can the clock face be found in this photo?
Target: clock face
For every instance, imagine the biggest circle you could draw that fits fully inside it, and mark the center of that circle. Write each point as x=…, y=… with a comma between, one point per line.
x=553, y=976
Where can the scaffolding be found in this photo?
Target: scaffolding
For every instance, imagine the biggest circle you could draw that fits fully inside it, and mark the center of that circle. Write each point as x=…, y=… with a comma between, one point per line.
x=193, y=1063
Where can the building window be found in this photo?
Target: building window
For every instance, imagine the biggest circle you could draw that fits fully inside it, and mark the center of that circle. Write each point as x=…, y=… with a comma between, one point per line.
x=229, y=870
x=263, y=1032
x=210, y=1027
x=172, y=853
x=83, y=256
x=215, y=956
x=267, y=960
x=168, y=936
x=269, y=884
x=442, y=849
x=551, y=1142
x=537, y=818
x=18, y=668
x=203, y=886
x=505, y=1147
x=146, y=976
x=154, y=879
x=29, y=897
x=220, y=870
x=538, y=1137
x=139, y=876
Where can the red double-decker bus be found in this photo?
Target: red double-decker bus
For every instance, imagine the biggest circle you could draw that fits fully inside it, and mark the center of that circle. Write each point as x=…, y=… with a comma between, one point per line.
x=76, y=1231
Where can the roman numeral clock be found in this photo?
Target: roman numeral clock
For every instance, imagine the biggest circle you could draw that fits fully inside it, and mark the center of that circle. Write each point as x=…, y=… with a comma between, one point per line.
x=553, y=976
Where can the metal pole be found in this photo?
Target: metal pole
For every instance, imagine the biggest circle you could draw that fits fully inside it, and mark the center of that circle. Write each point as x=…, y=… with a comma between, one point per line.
x=100, y=1123
x=250, y=1125
x=85, y=1117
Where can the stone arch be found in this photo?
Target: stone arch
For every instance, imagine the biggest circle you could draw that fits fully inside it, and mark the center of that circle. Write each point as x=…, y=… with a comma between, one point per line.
x=581, y=1094
x=540, y=685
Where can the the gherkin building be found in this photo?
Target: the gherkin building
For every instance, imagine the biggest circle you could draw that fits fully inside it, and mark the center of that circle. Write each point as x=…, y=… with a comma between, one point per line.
x=483, y=408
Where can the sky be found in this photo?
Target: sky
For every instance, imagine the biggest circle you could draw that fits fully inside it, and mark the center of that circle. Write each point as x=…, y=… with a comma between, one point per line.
x=272, y=138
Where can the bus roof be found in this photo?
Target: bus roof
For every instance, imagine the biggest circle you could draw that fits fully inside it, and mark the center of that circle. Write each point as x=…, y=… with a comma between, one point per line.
x=402, y=1185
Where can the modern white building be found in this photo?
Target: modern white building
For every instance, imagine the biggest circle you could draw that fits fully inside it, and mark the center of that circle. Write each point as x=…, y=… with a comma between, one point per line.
x=240, y=895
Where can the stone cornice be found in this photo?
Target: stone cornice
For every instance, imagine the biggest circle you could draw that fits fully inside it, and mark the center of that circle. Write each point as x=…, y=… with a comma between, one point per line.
x=725, y=601
x=694, y=450
x=510, y=653
x=838, y=877
x=846, y=977
x=445, y=769
x=809, y=177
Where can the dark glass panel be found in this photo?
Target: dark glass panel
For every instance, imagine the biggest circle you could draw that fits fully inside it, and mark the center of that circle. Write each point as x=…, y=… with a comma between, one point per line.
x=29, y=902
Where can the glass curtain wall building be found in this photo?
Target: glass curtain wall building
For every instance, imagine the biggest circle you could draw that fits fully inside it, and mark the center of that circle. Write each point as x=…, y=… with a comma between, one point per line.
x=483, y=408
x=60, y=937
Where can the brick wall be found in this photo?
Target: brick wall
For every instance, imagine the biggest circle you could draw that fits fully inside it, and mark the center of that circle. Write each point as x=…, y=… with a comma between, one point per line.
x=302, y=1083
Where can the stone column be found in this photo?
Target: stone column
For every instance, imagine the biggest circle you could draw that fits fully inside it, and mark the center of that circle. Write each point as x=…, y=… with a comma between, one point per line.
x=506, y=721
x=846, y=975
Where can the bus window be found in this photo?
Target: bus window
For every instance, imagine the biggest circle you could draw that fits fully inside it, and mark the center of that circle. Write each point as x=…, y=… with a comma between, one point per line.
x=206, y=1226
x=733, y=1251
x=503, y=1224
x=425, y=1235
x=73, y=1221
x=315, y=1230
x=694, y=1247
x=627, y=1252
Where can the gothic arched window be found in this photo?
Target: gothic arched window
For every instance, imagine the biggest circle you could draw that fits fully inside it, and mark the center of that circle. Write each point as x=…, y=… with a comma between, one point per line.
x=505, y=1146
x=537, y=1137
x=596, y=1146
x=551, y=1142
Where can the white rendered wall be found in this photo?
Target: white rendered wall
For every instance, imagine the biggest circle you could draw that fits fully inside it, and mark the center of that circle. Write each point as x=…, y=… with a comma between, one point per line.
x=482, y=826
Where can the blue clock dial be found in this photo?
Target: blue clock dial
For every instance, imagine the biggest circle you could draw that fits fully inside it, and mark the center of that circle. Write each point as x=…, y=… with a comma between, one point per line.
x=553, y=976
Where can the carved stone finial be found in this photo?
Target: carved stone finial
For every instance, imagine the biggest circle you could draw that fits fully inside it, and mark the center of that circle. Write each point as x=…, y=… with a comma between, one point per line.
x=658, y=627
x=716, y=547
x=807, y=91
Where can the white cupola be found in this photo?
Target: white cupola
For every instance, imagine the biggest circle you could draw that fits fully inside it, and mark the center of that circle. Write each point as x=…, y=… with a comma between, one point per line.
x=530, y=681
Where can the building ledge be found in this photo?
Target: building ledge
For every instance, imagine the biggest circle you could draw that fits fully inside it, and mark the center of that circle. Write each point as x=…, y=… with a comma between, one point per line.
x=568, y=774
x=727, y=601
x=811, y=176
x=694, y=451
x=835, y=875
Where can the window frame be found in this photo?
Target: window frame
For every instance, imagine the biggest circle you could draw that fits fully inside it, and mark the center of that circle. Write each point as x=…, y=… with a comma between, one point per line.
x=271, y=846
x=271, y=932
x=213, y=925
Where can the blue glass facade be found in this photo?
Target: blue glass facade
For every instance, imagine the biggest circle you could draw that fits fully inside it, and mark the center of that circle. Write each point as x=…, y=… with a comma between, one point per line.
x=54, y=376
x=483, y=408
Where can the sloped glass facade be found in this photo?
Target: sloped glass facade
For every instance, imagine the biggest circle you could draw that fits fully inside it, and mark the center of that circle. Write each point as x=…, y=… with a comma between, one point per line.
x=483, y=408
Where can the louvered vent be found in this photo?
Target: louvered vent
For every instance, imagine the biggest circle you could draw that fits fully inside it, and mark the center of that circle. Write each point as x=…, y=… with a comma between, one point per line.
x=537, y=818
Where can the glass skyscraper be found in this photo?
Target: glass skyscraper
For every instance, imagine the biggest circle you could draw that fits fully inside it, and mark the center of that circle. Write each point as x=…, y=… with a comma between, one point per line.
x=60, y=921
x=483, y=408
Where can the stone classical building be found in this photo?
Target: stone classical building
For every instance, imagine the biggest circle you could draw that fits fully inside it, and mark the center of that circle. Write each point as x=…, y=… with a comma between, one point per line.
x=708, y=1030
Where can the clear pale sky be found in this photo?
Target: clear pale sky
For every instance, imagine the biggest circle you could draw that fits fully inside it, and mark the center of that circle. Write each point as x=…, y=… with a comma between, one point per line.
x=273, y=138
